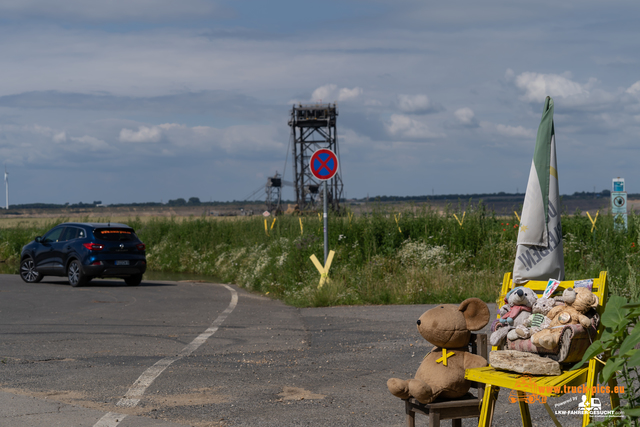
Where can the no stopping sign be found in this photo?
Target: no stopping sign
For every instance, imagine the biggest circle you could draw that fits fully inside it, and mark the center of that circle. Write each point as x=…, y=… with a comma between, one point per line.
x=323, y=164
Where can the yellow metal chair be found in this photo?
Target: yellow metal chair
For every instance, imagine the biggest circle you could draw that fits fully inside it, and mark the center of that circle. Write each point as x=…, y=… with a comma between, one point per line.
x=547, y=386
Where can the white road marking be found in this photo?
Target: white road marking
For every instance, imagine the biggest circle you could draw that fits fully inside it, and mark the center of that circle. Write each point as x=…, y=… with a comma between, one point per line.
x=132, y=397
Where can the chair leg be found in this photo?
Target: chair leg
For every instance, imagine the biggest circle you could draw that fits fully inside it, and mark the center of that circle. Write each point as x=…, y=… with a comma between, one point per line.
x=434, y=419
x=615, y=399
x=488, y=405
x=411, y=416
x=525, y=415
x=591, y=381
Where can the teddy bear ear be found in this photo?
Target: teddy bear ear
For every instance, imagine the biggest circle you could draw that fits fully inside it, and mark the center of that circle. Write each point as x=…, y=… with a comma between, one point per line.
x=476, y=313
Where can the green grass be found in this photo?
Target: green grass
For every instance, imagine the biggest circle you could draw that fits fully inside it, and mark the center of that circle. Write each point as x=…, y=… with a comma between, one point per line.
x=426, y=257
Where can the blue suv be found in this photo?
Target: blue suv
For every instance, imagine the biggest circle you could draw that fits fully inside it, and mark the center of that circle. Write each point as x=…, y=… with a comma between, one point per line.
x=82, y=251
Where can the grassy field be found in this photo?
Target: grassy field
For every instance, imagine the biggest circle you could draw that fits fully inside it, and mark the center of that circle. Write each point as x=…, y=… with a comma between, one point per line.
x=418, y=255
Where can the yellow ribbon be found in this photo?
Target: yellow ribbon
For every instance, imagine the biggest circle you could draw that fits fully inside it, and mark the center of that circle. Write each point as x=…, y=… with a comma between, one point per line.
x=396, y=218
x=324, y=271
x=444, y=357
x=593, y=220
x=301, y=229
x=460, y=222
x=517, y=215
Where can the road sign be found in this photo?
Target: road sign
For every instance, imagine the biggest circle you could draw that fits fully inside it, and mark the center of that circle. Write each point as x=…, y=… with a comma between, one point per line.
x=323, y=164
x=618, y=184
x=619, y=202
x=619, y=208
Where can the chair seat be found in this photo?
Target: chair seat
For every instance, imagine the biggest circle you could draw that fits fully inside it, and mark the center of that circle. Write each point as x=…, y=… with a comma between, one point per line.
x=466, y=400
x=550, y=386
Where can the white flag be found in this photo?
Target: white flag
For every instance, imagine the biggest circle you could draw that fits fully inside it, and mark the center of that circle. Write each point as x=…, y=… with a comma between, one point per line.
x=539, y=253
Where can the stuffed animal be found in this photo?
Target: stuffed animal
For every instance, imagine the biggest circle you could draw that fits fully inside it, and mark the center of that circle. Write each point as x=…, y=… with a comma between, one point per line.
x=577, y=303
x=441, y=373
x=513, y=314
x=538, y=320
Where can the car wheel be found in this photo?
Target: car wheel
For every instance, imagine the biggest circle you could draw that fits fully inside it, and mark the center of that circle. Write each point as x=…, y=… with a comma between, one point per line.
x=133, y=280
x=75, y=275
x=28, y=271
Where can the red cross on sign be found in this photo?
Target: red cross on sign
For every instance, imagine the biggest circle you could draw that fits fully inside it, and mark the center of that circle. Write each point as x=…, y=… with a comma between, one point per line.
x=323, y=164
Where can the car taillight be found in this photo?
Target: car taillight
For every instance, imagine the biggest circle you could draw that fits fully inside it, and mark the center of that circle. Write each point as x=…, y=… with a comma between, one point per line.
x=93, y=246
x=141, y=246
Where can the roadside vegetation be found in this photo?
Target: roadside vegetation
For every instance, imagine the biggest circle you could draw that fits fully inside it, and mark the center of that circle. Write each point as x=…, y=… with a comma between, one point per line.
x=418, y=255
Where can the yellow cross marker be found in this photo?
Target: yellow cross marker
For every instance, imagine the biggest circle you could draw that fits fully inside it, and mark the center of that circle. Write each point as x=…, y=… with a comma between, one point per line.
x=593, y=220
x=517, y=215
x=443, y=359
x=324, y=271
x=460, y=222
x=350, y=215
x=396, y=218
x=266, y=230
x=273, y=223
x=301, y=229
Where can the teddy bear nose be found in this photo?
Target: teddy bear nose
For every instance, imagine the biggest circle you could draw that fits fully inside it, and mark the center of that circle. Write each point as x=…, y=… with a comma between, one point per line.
x=520, y=292
x=418, y=322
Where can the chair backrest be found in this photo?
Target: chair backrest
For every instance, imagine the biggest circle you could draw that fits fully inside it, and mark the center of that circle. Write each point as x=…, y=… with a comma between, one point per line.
x=599, y=288
x=478, y=345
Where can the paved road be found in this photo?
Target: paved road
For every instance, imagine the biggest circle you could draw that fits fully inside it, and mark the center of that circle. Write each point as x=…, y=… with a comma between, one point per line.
x=184, y=354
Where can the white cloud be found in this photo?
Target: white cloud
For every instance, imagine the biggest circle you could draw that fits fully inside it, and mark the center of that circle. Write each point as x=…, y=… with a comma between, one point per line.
x=331, y=93
x=144, y=134
x=634, y=89
x=90, y=142
x=409, y=128
x=538, y=86
x=465, y=116
x=509, y=131
x=414, y=103
x=60, y=137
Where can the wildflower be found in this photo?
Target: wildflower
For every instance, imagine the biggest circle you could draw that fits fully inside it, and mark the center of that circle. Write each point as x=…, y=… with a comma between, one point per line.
x=504, y=229
x=502, y=223
x=515, y=226
x=633, y=245
x=507, y=223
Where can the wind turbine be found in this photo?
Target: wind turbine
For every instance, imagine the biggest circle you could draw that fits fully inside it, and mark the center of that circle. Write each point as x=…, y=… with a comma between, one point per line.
x=6, y=183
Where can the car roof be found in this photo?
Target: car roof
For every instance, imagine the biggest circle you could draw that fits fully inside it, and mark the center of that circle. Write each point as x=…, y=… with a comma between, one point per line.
x=98, y=224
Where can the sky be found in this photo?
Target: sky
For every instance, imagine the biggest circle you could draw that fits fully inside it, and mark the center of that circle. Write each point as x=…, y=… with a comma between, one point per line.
x=150, y=100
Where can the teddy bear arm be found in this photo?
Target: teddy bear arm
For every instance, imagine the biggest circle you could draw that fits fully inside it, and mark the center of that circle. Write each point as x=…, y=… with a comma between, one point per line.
x=584, y=321
x=504, y=309
x=474, y=361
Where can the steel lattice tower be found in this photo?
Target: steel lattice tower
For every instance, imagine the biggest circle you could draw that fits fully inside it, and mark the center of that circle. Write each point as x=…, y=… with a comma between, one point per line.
x=314, y=127
x=274, y=193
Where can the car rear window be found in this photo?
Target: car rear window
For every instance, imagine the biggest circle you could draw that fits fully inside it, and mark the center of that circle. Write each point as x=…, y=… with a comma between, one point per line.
x=114, y=234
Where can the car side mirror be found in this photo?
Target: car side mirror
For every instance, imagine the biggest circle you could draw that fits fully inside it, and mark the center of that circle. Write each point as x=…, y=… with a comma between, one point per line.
x=38, y=239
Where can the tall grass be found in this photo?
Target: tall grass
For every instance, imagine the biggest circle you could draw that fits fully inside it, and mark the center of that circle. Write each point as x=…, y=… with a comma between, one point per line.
x=424, y=257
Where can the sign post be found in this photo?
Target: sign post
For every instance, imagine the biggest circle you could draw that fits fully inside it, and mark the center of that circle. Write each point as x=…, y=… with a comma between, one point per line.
x=324, y=165
x=619, y=204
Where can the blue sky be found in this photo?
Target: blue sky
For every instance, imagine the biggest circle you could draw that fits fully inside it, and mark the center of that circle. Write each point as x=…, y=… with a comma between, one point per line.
x=141, y=100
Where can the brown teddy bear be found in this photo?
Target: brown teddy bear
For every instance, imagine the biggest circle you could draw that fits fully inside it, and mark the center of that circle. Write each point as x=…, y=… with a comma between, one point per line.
x=441, y=373
x=577, y=303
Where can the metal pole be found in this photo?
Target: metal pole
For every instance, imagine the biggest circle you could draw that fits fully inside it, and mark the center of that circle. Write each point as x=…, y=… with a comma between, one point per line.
x=326, y=225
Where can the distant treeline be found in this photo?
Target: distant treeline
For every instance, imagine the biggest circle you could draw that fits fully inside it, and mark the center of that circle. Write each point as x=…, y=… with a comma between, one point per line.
x=494, y=197
x=195, y=201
